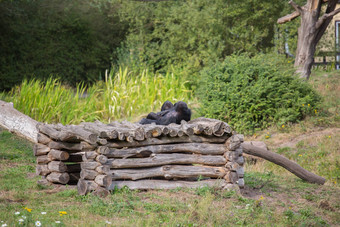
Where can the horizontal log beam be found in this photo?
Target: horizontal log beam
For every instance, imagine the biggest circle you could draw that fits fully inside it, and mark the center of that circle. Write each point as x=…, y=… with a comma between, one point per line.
x=165, y=184
x=167, y=159
x=168, y=172
x=195, y=148
x=169, y=140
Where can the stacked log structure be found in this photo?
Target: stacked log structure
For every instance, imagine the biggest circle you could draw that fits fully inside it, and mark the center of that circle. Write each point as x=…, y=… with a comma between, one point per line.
x=99, y=157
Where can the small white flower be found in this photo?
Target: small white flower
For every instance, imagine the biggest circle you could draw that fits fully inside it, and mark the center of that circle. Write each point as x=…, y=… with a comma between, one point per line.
x=58, y=222
x=108, y=222
x=4, y=225
x=37, y=223
x=43, y=212
x=21, y=220
x=23, y=216
x=247, y=206
x=17, y=213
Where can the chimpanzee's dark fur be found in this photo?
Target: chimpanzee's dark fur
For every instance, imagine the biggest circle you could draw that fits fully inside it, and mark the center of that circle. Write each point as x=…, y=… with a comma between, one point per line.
x=169, y=114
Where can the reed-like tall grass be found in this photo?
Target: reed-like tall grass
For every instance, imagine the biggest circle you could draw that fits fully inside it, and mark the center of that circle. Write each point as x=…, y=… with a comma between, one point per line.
x=126, y=95
x=123, y=95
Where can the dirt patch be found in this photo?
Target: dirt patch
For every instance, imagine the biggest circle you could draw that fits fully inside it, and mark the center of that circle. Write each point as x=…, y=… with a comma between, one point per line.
x=292, y=141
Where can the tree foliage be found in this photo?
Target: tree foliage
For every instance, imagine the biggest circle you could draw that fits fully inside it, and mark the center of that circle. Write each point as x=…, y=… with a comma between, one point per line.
x=71, y=39
x=197, y=32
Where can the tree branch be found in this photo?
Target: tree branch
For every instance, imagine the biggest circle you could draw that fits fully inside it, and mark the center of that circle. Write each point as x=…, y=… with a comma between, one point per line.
x=325, y=17
x=296, y=6
x=288, y=17
x=289, y=165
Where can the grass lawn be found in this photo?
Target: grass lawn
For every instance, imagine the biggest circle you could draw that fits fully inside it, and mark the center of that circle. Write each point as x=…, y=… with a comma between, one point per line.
x=272, y=196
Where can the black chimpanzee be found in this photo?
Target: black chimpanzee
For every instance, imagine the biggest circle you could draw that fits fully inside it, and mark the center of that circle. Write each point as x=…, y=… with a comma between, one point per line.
x=169, y=114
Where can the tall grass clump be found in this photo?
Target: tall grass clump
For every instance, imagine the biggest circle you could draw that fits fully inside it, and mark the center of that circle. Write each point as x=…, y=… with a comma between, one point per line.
x=252, y=93
x=126, y=94
x=52, y=102
x=123, y=95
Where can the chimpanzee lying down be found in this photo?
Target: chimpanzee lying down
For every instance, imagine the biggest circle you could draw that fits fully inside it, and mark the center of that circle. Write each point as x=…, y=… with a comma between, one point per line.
x=169, y=114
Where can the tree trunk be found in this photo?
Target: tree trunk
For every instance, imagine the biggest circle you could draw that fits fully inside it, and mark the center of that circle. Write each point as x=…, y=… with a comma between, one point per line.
x=306, y=44
x=310, y=32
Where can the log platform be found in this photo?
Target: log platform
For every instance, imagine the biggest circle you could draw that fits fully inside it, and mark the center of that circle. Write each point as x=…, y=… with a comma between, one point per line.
x=99, y=157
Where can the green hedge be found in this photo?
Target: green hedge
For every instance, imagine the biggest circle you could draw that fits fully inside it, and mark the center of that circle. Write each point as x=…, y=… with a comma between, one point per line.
x=252, y=93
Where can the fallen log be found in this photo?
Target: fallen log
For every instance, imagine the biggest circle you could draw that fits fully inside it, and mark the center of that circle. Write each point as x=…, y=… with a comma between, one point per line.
x=18, y=123
x=280, y=160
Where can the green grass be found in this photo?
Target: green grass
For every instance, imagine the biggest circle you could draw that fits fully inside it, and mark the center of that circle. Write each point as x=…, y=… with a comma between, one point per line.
x=278, y=199
x=272, y=196
x=123, y=95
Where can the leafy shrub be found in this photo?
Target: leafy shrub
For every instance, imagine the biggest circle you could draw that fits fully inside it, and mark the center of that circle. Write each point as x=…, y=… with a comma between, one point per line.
x=252, y=93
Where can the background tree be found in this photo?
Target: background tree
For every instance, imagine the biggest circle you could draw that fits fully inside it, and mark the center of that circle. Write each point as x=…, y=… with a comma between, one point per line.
x=312, y=27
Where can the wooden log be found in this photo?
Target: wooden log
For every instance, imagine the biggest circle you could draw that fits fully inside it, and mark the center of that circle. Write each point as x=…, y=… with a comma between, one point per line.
x=103, y=180
x=73, y=168
x=139, y=152
x=234, y=142
x=103, y=169
x=75, y=147
x=187, y=128
x=101, y=159
x=42, y=170
x=89, y=165
x=57, y=177
x=86, y=186
x=44, y=182
x=240, y=182
x=216, y=127
x=103, y=130
x=165, y=184
x=240, y=160
x=280, y=160
x=168, y=171
x=234, y=166
x=43, y=159
x=169, y=140
x=88, y=147
x=152, y=130
x=90, y=154
x=82, y=134
x=88, y=174
x=57, y=135
x=17, y=122
x=167, y=159
x=40, y=149
x=101, y=192
x=42, y=139
x=56, y=166
x=101, y=141
x=58, y=155
x=198, y=129
x=233, y=156
x=231, y=177
x=137, y=130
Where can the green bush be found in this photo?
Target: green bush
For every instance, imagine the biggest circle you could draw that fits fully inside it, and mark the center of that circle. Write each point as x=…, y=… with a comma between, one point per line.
x=253, y=93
